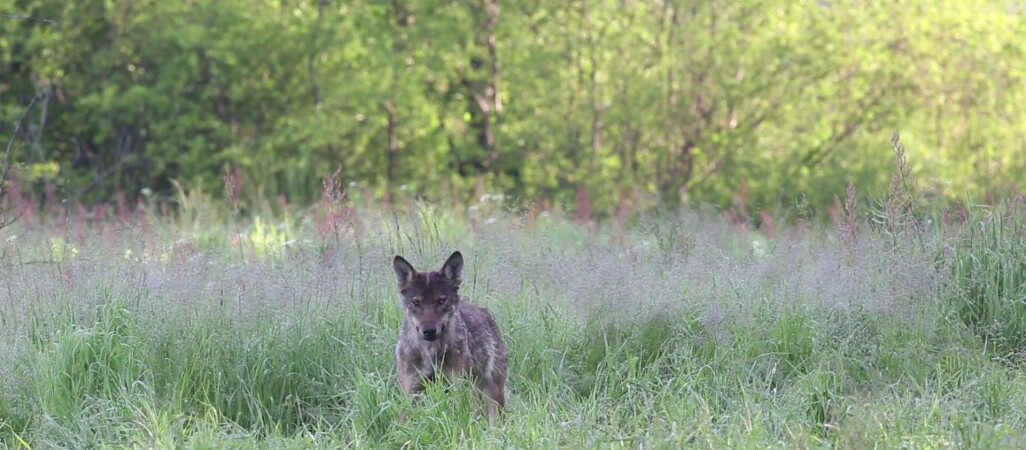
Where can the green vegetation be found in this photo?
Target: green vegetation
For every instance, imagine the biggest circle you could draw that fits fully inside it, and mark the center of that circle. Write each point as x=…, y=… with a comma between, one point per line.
x=989, y=276
x=599, y=104
x=209, y=195
x=200, y=332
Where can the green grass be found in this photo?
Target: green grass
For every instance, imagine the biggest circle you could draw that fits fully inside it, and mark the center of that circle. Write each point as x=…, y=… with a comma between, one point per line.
x=687, y=340
x=989, y=279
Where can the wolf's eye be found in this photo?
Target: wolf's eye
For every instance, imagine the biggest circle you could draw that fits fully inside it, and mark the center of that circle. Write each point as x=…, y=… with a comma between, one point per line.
x=441, y=300
x=415, y=301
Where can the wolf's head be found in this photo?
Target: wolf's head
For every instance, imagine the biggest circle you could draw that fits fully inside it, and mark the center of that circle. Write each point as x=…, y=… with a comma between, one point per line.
x=429, y=298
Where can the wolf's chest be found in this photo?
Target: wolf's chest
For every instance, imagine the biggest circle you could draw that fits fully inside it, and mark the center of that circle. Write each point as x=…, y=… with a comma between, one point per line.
x=447, y=359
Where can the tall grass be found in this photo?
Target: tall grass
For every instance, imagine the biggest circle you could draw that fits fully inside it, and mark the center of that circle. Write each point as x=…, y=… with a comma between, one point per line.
x=989, y=278
x=680, y=331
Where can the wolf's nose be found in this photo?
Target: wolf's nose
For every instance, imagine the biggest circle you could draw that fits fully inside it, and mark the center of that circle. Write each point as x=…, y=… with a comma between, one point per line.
x=430, y=333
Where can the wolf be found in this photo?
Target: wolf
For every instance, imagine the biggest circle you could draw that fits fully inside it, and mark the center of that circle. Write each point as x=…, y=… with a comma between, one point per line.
x=442, y=332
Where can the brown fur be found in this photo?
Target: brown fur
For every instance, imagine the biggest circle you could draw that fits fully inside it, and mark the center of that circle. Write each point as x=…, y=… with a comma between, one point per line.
x=467, y=341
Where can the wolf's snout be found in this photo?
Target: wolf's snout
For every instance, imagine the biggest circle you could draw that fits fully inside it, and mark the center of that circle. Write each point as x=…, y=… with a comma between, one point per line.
x=430, y=332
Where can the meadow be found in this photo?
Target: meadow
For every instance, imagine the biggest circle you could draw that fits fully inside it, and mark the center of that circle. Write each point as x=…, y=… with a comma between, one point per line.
x=203, y=329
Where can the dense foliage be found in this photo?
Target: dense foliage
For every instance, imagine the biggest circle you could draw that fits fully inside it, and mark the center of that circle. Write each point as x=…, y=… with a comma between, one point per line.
x=609, y=102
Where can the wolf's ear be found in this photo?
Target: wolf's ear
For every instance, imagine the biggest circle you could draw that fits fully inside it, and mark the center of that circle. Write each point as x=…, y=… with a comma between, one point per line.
x=453, y=267
x=404, y=271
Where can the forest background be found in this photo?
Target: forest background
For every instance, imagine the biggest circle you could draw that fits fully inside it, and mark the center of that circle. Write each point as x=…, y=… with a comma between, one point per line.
x=594, y=106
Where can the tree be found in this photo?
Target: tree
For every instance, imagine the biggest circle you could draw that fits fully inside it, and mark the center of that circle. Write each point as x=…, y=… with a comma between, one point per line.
x=650, y=102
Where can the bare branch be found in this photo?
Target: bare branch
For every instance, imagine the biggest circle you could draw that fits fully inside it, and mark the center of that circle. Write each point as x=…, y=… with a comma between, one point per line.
x=37, y=19
x=7, y=155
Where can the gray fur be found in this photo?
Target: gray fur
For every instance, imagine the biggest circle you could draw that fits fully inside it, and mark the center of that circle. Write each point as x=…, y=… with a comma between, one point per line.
x=468, y=341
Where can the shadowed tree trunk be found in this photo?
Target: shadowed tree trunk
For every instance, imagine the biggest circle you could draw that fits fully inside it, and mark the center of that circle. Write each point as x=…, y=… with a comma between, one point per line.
x=481, y=84
x=392, y=151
